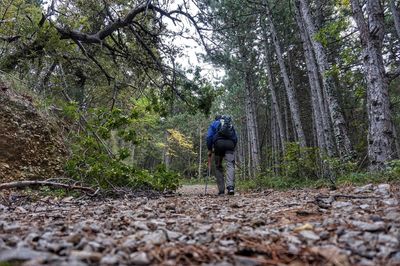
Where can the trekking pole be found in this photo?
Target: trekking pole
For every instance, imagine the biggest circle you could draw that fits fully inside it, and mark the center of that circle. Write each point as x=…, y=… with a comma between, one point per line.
x=208, y=174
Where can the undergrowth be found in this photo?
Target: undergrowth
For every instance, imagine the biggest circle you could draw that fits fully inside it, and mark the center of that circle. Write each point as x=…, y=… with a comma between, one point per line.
x=269, y=181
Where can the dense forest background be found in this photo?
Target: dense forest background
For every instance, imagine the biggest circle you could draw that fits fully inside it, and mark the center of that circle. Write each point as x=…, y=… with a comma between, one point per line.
x=313, y=86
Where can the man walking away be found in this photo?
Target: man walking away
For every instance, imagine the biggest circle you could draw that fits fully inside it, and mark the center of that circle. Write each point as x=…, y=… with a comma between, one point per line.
x=222, y=137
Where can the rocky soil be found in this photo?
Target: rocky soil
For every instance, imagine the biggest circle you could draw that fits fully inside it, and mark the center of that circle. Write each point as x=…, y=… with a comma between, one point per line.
x=31, y=147
x=349, y=226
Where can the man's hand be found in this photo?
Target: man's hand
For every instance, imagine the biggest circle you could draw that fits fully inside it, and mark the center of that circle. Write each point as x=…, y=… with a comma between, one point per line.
x=209, y=153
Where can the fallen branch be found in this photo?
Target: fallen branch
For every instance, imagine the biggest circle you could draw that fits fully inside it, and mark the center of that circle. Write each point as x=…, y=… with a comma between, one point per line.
x=33, y=183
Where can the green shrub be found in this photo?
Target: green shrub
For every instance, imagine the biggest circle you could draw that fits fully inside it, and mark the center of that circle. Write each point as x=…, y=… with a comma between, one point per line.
x=93, y=162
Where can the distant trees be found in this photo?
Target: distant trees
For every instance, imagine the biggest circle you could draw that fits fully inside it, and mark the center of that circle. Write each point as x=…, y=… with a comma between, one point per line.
x=305, y=58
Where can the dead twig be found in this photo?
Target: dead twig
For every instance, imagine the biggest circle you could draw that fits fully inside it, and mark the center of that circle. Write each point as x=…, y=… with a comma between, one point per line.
x=34, y=183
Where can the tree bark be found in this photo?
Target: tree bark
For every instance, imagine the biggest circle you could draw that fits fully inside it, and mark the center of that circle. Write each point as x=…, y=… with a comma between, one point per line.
x=396, y=16
x=380, y=128
x=322, y=123
x=271, y=86
x=290, y=91
x=167, y=153
x=339, y=126
x=252, y=125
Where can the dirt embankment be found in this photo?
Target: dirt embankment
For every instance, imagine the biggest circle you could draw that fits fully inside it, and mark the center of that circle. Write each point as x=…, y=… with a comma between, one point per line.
x=31, y=147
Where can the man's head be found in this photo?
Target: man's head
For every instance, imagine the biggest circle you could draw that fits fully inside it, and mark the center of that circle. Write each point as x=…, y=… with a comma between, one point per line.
x=218, y=117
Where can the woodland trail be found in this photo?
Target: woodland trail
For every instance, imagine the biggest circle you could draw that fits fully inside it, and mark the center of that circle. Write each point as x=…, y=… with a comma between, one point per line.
x=349, y=226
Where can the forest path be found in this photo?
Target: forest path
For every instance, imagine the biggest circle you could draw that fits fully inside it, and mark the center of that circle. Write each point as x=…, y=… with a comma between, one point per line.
x=193, y=190
x=345, y=227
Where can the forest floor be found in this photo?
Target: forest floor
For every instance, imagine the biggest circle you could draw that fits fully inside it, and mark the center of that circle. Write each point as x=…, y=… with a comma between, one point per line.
x=349, y=226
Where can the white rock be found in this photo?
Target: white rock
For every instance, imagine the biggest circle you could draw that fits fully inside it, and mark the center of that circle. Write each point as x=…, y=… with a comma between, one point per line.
x=157, y=238
x=383, y=189
x=342, y=204
x=370, y=227
x=227, y=242
x=363, y=189
x=109, y=260
x=310, y=235
x=391, y=202
x=173, y=235
x=139, y=258
x=384, y=238
x=21, y=254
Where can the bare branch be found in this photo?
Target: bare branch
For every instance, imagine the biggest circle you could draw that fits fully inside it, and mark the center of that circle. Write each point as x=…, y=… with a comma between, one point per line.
x=34, y=183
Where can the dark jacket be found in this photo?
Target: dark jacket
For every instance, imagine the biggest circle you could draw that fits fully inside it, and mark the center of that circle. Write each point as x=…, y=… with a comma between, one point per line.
x=212, y=135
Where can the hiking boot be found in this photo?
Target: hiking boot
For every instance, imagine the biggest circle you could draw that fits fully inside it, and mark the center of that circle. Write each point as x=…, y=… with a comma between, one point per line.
x=221, y=193
x=231, y=190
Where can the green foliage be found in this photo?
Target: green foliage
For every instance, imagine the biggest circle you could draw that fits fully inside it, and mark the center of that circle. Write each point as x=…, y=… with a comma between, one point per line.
x=299, y=162
x=93, y=162
x=271, y=181
x=331, y=32
x=346, y=172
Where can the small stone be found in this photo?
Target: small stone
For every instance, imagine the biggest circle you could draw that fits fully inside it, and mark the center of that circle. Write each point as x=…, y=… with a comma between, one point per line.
x=383, y=189
x=293, y=249
x=349, y=236
x=384, y=238
x=140, y=225
x=227, y=242
x=157, y=238
x=342, y=204
x=11, y=228
x=363, y=189
x=22, y=253
x=74, y=238
x=324, y=235
x=95, y=246
x=369, y=227
x=393, y=215
x=173, y=235
x=130, y=244
x=86, y=255
x=395, y=259
x=139, y=258
x=109, y=260
x=391, y=202
x=310, y=235
x=364, y=206
x=366, y=262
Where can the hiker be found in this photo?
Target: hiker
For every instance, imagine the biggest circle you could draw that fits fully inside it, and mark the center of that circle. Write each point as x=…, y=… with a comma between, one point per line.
x=221, y=137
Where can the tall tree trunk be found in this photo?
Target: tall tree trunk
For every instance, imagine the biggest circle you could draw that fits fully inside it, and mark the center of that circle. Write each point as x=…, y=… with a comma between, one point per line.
x=380, y=128
x=322, y=123
x=290, y=91
x=167, y=154
x=396, y=16
x=285, y=112
x=249, y=157
x=252, y=124
x=339, y=126
x=271, y=86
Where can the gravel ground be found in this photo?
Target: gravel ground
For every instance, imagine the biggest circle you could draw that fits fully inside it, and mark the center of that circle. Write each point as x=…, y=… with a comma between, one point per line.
x=349, y=226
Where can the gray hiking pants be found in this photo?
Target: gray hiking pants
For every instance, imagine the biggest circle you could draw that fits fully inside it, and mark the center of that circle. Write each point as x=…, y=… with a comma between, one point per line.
x=230, y=170
x=224, y=148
